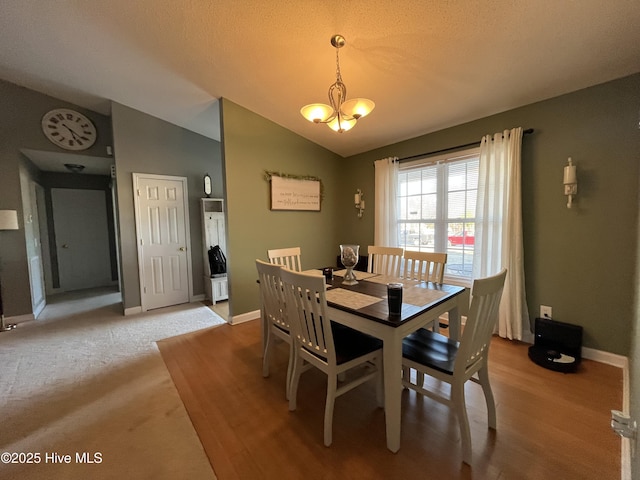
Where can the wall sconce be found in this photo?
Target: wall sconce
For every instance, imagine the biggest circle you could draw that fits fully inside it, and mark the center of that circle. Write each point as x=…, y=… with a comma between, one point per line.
x=570, y=182
x=359, y=201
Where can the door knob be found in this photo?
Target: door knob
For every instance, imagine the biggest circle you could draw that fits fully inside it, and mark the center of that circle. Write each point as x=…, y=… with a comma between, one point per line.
x=65, y=246
x=182, y=249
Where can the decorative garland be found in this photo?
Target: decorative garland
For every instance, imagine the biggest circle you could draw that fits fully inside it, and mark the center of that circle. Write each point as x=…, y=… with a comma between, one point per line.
x=268, y=174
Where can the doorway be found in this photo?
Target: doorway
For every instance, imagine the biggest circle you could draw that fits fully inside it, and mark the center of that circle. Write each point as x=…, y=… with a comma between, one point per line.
x=82, y=238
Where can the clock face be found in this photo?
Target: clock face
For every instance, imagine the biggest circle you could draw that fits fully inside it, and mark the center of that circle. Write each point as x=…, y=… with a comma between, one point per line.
x=69, y=129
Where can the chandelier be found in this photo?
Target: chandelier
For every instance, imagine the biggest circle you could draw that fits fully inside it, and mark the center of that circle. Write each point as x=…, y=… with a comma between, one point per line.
x=341, y=114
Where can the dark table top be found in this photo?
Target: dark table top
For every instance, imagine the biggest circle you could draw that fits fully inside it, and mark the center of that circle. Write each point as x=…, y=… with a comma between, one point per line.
x=379, y=311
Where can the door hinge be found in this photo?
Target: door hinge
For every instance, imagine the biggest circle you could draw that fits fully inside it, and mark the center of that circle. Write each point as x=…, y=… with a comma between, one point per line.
x=141, y=241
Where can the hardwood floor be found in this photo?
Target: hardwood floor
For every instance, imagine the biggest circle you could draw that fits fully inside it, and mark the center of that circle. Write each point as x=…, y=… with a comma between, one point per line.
x=550, y=425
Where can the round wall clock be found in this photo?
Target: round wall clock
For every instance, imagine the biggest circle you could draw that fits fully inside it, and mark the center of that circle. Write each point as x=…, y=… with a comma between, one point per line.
x=69, y=129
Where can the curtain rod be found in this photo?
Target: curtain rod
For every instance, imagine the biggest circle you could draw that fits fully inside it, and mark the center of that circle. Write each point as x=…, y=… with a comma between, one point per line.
x=524, y=132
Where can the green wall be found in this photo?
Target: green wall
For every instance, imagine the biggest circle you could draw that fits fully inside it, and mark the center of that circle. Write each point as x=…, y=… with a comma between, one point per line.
x=252, y=144
x=145, y=144
x=579, y=261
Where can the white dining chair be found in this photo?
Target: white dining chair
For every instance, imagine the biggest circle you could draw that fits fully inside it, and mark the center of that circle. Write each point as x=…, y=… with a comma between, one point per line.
x=457, y=362
x=275, y=315
x=424, y=266
x=287, y=257
x=328, y=346
x=384, y=260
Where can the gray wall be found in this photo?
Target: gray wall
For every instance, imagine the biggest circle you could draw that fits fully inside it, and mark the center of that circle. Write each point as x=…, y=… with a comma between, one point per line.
x=579, y=261
x=145, y=144
x=21, y=112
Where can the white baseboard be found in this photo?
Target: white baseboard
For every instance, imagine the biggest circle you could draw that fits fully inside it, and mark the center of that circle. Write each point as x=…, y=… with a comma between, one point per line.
x=613, y=359
x=245, y=317
x=27, y=317
x=133, y=310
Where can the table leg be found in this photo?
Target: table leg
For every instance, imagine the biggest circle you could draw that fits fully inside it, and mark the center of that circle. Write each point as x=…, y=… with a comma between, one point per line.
x=392, y=357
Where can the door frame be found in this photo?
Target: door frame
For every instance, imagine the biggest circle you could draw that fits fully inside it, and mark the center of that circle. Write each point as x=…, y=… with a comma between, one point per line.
x=187, y=234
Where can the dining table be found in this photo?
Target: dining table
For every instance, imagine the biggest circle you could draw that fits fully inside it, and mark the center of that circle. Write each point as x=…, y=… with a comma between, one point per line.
x=364, y=307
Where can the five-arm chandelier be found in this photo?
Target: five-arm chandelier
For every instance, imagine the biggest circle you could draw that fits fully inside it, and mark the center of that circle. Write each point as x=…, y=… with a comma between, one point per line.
x=342, y=114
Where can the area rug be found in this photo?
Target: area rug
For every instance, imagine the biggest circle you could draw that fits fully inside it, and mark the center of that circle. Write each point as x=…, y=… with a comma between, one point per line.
x=84, y=393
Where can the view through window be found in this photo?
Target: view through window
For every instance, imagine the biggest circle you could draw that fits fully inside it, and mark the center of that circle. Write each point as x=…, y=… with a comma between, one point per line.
x=437, y=208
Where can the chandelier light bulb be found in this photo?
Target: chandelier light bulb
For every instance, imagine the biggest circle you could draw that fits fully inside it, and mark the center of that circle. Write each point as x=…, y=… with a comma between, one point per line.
x=358, y=107
x=317, y=112
x=341, y=124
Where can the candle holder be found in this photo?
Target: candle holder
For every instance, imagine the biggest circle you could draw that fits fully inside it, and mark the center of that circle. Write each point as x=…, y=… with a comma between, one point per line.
x=349, y=255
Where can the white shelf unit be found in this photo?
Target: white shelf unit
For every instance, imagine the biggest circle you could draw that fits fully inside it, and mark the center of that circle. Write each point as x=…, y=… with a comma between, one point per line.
x=213, y=233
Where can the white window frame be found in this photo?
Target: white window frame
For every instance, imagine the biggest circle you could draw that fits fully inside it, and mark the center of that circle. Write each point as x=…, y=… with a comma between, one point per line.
x=441, y=221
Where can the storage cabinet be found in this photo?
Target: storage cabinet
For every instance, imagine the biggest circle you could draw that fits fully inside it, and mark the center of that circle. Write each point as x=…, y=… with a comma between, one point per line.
x=213, y=233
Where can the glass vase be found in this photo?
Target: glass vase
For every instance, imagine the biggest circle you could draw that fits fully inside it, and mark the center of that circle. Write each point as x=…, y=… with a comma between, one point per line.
x=349, y=255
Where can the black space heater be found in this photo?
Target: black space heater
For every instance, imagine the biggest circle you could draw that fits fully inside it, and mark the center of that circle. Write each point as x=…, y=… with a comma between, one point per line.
x=557, y=345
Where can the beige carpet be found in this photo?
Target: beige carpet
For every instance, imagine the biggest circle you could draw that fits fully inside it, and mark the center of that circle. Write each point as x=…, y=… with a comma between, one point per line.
x=87, y=382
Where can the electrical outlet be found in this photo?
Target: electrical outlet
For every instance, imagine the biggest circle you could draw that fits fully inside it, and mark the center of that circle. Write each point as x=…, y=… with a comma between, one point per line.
x=545, y=311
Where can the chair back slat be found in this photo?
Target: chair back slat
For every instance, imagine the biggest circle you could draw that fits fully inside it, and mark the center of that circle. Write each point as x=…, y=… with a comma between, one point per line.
x=272, y=294
x=486, y=294
x=384, y=260
x=424, y=266
x=287, y=257
x=306, y=302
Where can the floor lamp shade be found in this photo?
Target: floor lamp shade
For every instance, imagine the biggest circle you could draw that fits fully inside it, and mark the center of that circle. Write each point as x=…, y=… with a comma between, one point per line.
x=9, y=220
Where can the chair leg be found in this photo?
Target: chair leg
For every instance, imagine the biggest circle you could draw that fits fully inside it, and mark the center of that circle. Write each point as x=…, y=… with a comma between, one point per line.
x=459, y=405
x=292, y=357
x=295, y=379
x=267, y=353
x=332, y=385
x=483, y=376
x=406, y=374
x=380, y=382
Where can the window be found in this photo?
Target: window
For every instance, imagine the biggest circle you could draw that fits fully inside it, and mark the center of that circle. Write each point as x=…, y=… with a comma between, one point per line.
x=437, y=208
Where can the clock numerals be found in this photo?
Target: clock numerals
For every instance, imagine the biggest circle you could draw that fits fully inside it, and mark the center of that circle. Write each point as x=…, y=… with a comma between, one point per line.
x=69, y=129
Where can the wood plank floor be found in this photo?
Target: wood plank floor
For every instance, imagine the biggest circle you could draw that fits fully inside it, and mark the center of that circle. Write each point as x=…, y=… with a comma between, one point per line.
x=550, y=425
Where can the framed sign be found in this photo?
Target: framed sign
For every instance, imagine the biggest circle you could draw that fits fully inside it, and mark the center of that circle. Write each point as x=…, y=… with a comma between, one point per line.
x=295, y=194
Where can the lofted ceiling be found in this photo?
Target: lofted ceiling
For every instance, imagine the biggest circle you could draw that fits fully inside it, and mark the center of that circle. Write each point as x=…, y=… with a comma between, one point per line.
x=428, y=65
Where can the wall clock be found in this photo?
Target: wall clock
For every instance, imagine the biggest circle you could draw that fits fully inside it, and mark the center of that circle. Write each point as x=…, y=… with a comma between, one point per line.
x=69, y=129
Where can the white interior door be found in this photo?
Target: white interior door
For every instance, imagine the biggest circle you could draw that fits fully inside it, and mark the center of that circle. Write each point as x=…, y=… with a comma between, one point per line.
x=163, y=236
x=82, y=238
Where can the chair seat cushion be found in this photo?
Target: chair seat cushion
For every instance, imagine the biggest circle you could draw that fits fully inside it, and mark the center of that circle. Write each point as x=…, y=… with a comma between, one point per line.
x=431, y=349
x=352, y=344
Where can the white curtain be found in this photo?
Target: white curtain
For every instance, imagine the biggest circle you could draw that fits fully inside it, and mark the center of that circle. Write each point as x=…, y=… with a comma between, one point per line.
x=386, y=211
x=498, y=235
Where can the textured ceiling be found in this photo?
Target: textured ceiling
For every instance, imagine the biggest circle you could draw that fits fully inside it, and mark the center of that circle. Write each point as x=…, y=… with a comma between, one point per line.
x=427, y=64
